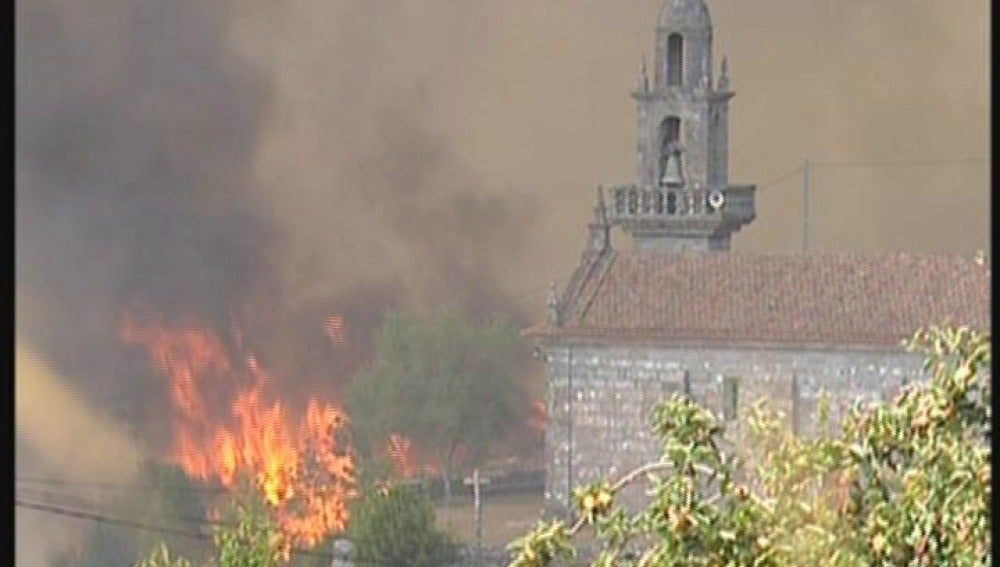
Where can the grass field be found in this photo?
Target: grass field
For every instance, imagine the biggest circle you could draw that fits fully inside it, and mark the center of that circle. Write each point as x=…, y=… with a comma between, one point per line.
x=505, y=516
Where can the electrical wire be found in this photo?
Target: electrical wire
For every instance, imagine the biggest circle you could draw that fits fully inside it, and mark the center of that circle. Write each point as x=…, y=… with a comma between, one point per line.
x=780, y=179
x=106, y=485
x=899, y=163
x=819, y=164
x=172, y=530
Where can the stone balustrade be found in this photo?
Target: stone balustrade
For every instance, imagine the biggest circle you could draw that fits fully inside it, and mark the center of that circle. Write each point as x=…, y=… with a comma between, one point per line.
x=635, y=203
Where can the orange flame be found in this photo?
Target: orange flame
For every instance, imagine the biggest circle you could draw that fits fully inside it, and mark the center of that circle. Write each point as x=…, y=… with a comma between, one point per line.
x=405, y=460
x=336, y=332
x=402, y=456
x=306, y=474
x=538, y=416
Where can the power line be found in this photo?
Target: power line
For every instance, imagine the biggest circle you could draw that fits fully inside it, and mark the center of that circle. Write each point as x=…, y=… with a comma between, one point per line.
x=178, y=531
x=900, y=163
x=863, y=164
x=822, y=164
x=780, y=178
x=41, y=481
x=65, y=500
x=102, y=518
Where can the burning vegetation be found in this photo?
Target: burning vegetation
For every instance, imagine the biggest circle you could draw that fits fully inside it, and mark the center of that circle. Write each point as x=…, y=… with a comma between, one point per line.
x=406, y=461
x=303, y=468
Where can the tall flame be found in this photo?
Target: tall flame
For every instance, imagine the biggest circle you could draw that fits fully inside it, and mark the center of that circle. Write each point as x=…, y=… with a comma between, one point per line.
x=305, y=473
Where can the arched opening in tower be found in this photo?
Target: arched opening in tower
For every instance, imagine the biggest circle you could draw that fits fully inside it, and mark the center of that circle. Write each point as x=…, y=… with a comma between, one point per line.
x=675, y=59
x=670, y=135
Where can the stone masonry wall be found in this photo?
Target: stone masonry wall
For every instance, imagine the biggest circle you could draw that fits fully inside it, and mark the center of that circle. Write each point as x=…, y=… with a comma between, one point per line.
x=600, y=397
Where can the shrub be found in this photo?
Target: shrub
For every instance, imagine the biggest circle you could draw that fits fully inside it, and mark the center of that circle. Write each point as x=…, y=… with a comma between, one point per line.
x=394, y=527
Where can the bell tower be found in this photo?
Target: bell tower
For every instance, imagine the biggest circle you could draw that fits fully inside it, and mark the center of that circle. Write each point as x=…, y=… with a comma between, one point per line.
x=682, y=199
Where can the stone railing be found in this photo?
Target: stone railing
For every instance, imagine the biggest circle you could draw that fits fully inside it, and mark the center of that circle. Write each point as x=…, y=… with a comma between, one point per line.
x=631, y=202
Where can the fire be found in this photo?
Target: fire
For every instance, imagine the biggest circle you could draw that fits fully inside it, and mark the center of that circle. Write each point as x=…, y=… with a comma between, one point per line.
x=339, y=340
x=404, y=458
x=305, y=473
x=336, y=332
x=537, y=418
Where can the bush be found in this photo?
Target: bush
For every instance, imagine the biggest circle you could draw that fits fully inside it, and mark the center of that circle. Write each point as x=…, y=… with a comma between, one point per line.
x=394, y=527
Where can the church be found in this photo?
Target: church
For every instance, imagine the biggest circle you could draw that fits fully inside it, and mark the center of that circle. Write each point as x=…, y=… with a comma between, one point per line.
x=679, y=311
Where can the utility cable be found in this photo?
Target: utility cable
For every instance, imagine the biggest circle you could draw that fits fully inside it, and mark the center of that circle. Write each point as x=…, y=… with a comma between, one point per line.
x=780, y=179
x=178, y=531
x=899, y=163
x=173, y=530
x=106, y=485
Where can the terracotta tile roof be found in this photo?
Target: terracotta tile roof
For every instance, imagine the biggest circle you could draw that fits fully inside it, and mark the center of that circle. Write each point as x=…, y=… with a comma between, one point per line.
x=829, y=298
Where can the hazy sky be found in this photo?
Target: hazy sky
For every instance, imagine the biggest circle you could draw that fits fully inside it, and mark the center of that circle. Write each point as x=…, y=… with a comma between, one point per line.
x=532, y=98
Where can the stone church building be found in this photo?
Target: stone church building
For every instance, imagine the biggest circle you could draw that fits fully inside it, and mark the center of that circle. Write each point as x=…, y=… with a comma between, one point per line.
x=681, y=312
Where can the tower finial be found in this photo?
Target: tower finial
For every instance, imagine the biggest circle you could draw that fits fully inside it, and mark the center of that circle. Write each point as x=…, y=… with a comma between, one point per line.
x=643, y=76
x=724, y=74
x=599, y=236
x=600, y=208
x=553, y=305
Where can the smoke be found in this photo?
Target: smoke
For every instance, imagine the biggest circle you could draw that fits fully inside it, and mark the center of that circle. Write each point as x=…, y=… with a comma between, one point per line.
x=137, y=127
x=77, y=445
x=154, y=175
x=530, y=101
x=146, y=183
x=77, y=437
x=363, y=163
x=871, y=82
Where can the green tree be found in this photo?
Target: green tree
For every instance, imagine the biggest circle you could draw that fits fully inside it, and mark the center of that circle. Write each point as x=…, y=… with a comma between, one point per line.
x=251, y=539
x=901, y=483
x=395, y=527
x=252, y=542
x=445, y=382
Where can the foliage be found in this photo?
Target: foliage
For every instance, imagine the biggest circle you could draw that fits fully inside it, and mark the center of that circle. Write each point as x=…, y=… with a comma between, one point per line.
x=395, y=527
x=252, y=542
x=900, y=483
x=160, y=557
x=442, y=380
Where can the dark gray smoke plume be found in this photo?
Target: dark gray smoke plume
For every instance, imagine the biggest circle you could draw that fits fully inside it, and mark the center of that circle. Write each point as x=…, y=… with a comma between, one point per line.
x=141, y=189
x=138, y=129
x=137, y=126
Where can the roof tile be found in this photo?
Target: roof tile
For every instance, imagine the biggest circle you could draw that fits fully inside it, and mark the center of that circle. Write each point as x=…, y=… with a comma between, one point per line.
x=844, y=298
